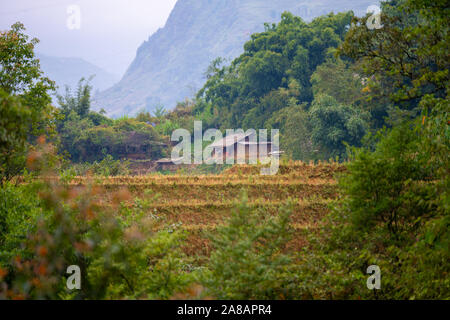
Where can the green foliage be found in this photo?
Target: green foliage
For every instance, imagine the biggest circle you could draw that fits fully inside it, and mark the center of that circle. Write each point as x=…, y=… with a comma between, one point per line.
x=24, y=99
x=392, y=184
x=339, y=80
x=248, y=261
x=167, y=126
x=295, y=132
x=106, y=167
x=284, y=54
x=88, y=136
x=180, y=117
x=394, y=210
x=407, y=58
x=15, y=121
x=20, y=210
x=122, y=253
x=160, y=111
x=144, y=117
x=123, y=138
x=394, y=214
x=287, y=66
x=264, y=72
x=334, y=124
x=20, y=73
x=80, y=102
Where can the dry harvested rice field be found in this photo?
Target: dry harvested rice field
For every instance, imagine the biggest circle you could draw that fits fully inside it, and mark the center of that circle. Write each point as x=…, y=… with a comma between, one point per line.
x=199, y=203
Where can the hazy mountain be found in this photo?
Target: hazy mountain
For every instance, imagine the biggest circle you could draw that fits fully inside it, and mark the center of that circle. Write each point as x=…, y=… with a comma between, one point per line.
x=170, y=66
x=68, y=71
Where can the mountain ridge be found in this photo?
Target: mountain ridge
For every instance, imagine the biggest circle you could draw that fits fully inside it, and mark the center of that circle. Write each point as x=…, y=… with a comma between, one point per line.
x=170, y=65
x=69, y=70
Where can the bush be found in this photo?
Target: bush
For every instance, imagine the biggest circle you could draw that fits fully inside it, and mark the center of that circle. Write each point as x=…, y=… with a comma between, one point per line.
x=394, y=214
x=248, y=261
x=20, y=210
x=106, y=167
x=122, y=253
x=15, y=121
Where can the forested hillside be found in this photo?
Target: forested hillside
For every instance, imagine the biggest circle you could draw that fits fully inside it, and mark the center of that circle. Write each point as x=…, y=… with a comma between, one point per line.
x=366, y=110
x=289, y=78
x=170, y=65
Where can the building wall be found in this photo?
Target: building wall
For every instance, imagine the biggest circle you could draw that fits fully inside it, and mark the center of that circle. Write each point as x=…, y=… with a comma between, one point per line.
x=247, y=149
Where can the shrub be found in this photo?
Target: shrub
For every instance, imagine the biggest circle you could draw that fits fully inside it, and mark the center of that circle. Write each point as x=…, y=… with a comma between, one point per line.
x=394, y=214
x=248, y=261
x=122, y=253
x=106, y=167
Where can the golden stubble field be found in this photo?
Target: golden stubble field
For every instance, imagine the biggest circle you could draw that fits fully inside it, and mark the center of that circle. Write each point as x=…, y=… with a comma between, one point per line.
x=199, y=203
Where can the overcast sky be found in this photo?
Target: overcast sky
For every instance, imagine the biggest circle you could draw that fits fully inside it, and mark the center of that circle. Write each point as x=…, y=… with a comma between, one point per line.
x=110, y=30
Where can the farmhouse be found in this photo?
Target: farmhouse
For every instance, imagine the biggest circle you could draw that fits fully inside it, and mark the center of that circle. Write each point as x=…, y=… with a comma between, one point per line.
x=168, y=164
x=241, y=146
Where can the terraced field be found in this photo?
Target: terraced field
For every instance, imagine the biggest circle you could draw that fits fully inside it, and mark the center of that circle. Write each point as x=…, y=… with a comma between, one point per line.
x=199, y=203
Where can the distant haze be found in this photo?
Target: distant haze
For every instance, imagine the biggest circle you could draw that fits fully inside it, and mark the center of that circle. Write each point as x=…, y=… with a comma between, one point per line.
x=169, y=67
x=69, y=71
x=157, y=62
x=110, y=31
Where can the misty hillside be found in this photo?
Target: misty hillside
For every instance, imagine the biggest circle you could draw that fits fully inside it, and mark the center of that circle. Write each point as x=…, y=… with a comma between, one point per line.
x=170, y=66
x=68, y=71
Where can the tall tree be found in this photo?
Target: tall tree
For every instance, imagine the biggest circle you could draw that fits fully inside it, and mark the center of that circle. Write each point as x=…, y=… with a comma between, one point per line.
x=80, y=102
x=24, y=99
x=283, y=57
x=21, y=76
x=407, y=58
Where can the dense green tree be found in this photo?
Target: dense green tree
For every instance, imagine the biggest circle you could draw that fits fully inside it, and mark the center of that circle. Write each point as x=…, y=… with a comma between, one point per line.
x=287, y=65
x=90, y=136
x=394, y=210
x=126, y=138
x=15, y=121
x=340, y=80
x=335, y=124
x=295, y=132
x=25, y=101
x=407, y=58
x=21, y=76
x=283, y=57
x=80, y=102
x=248, y=262
x=70, y=131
